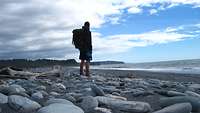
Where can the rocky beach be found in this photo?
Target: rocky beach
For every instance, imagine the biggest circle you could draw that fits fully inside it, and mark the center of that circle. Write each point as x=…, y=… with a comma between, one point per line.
x=44, y=90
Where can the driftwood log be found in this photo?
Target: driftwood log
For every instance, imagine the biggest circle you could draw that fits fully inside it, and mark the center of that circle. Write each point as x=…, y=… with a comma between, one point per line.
x=14, y=73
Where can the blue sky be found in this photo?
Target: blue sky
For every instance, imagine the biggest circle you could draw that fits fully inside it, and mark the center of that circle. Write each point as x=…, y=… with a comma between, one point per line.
x=183, y=15
x=122, y=30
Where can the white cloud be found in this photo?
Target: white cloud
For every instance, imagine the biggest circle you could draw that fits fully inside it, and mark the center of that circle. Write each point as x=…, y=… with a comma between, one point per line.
x=134, y=10
x=153, y=11
x=124, y=42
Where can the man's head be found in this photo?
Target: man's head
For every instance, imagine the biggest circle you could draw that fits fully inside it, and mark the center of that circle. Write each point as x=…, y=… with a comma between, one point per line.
x=87, y=25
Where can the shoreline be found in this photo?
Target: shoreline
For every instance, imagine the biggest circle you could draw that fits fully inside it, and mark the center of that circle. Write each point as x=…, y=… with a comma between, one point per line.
x=171, y=76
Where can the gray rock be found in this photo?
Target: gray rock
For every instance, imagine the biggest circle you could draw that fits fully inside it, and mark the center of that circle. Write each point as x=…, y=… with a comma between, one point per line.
x=3, y=99
x=125, y=106
x=22, y=104
x=37, y=96
x=41, y=88
x=191, y=93
x=175, y=93
x=60, y=108
x=110, y=89
x=89, y=103
x=54, y=94
x=169, y=93
x=70, y=98
x=194, y=87
x=16, y=88
x=20, y=94
x=98, y=91
x=60, y=101
x=13, y=89
x=59, y=87
x=176, y=108
x=195, y=102
x=88, y=92
x=101, y=110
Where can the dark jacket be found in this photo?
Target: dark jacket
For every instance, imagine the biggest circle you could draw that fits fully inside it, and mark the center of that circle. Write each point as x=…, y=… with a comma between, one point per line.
x=86, y=40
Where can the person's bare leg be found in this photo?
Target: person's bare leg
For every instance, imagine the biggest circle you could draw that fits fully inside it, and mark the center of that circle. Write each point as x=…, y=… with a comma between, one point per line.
x=87, y=65
x=81, y=67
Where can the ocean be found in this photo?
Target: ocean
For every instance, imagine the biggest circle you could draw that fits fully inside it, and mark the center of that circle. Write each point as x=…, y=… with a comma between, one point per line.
x=176, y=66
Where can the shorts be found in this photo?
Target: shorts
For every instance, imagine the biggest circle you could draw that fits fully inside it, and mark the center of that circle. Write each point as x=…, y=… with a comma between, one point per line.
x=85, y=55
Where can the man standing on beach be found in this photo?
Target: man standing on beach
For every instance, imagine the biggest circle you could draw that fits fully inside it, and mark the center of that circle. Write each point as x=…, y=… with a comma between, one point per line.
x=85, y=48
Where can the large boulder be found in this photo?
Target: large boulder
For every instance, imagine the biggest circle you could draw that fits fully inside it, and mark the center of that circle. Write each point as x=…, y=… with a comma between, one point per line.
x=60, y=108
x=22, y=104
x=177, y=108
x=3, y=99
x=195, y=102
x=124, y=106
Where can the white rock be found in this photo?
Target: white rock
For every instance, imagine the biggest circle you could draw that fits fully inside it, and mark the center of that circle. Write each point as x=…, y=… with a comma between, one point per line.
x=22, y=104
x=60, y=108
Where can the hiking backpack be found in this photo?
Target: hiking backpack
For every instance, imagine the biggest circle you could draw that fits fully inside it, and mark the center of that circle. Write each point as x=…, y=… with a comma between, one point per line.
x=76, y=39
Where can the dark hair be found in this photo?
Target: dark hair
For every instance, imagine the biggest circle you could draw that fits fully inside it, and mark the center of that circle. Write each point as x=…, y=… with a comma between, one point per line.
x=87, y=24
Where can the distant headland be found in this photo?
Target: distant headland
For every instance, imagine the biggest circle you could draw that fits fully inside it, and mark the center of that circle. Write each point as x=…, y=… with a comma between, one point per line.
x=26, y=63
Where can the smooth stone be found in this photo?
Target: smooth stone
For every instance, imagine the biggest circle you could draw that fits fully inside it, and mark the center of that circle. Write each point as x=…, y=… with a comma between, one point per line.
x=23, y=94
x=116, y=97
x=177, y=108
x=37, y=96
x=55, y=94
x=191, y=93
x=3, y=99
x=110, y=89
x=194, y=87
x=41, y=88
x=125, y=106
x=13, y=89
x=88, y=104
x=70, y=98
x=101, y=110
x=60, y=101
x=88, y=92
x=60, y=108
x=98, y=91
x=16, y=88
x=195, y=102
x=175, y=93
x=58, y=87
x=22, y=104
